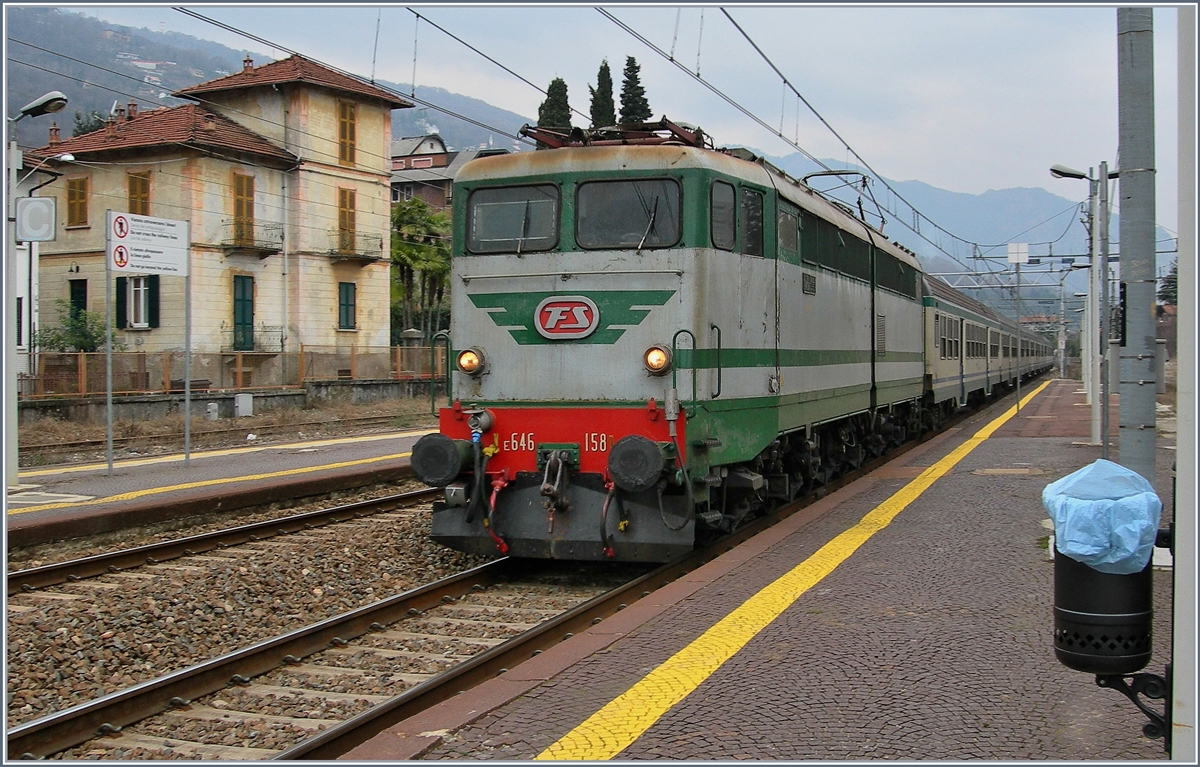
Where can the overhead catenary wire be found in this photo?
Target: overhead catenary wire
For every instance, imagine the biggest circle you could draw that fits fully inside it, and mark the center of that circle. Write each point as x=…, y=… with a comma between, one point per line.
x=458, y=39
x=413, y=97
x=787, y=83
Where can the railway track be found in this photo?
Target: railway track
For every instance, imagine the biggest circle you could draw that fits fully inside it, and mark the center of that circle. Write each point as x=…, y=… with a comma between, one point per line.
x=33, y=578
x=317, y=692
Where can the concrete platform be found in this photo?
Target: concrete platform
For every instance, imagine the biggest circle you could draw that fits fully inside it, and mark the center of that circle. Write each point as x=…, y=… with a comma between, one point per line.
x=850, y=631
x=53, y=503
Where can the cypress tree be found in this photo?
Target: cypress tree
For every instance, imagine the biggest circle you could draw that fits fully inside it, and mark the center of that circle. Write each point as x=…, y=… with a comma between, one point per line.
x=634, y=107
x=604, y=111
x=555, y=112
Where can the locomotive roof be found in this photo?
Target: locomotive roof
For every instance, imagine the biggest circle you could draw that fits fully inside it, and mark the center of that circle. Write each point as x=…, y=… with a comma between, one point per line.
x=664, y=157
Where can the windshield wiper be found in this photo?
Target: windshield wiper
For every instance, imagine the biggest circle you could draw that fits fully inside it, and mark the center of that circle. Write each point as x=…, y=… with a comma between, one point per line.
x=649, y=226
x=524, y=229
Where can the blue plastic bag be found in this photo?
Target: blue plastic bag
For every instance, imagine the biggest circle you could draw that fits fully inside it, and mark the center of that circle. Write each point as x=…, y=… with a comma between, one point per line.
x=1105, y=516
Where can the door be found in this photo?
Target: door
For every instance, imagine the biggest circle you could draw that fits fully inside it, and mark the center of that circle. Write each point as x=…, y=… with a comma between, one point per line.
x=243, y=313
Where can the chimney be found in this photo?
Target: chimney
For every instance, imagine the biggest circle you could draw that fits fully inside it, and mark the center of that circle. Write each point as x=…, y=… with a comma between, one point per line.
x=247, y=64
x=110, y=127
x=210, y=122
x=54, y=139
x=132, y=110
x=120, y=114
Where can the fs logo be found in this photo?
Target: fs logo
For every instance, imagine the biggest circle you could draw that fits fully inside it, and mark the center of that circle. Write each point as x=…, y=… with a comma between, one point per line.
x=562, y=318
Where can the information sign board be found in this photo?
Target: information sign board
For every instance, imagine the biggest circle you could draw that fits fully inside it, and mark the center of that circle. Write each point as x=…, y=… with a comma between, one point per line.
x=146, y=245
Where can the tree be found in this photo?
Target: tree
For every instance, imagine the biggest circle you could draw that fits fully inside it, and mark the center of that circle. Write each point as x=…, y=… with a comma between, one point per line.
x=1168, y=289
x=634, y=107
x=555, y=112
x=93, y=121
x=604, y=111
x=77, y=331
x=421, y=254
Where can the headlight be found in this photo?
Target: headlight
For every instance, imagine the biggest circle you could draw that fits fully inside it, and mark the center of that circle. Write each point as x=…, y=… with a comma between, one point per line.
x=657, y=360
x=471, y=361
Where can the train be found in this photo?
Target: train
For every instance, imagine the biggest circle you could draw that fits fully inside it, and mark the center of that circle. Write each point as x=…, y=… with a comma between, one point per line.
x=654, y=340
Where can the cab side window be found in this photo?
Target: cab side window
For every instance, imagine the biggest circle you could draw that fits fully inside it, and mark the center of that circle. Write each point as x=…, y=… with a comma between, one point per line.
x=751, y=222
x=721, y=217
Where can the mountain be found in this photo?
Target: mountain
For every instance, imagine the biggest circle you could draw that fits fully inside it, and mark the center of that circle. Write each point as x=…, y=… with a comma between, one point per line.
x=146, y=66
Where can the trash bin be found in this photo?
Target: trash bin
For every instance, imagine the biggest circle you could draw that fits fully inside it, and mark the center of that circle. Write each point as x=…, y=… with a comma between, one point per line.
x=1106, y=521
x=1102, y=621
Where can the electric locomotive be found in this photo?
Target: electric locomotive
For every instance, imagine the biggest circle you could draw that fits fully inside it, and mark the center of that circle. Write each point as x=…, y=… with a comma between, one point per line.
x=652, y=339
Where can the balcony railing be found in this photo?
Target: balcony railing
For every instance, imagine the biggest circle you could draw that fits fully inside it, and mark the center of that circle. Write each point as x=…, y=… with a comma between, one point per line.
x=362, y=246
x=250, y=236
x=261, y=338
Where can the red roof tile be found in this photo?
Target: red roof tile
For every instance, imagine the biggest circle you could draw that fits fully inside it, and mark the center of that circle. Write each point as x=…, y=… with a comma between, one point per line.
x=187, y=125
x=290, y=70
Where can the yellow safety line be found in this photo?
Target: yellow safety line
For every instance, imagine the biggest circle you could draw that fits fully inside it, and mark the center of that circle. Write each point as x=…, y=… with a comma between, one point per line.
x=177, y=457
x=208, y=483
x=619, y=723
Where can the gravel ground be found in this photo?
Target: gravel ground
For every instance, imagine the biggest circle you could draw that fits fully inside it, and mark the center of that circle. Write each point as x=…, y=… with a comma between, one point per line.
x=83, y=640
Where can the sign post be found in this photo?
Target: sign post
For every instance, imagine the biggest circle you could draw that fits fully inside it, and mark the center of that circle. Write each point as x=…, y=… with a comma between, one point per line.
x=146, y=245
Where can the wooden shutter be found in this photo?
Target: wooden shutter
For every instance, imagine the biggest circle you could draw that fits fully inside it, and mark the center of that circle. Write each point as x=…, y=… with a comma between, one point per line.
x=243, y=209
x=346, y=132
x=139, y=193
x=346, y=222
x=122, y=302
x=152, y=300
x=77, y=201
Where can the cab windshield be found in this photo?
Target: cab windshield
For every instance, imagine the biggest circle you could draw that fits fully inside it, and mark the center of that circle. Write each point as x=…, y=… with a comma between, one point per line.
x=514, y=219
x=628, y=214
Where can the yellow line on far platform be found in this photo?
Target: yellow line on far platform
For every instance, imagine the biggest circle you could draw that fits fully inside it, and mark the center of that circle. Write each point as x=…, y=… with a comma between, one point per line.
x=177, y=457
x=210, y=483
x=623, y=720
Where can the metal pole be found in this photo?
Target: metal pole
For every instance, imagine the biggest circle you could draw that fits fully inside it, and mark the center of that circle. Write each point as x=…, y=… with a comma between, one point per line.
x=1062, y=329
x=1135, y=112
x=1183, y=638
x=108, y=301
x=1019, y=349
x=1105, y=361
x=11, y=466
x=187, y=353
x=1093, y=329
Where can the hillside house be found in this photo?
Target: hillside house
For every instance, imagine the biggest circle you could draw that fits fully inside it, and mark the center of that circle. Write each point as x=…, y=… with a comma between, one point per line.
x=423, y=167
x=282, y=174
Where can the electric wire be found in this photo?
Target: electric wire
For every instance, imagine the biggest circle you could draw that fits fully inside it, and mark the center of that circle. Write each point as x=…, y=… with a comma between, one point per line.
x=413, y=97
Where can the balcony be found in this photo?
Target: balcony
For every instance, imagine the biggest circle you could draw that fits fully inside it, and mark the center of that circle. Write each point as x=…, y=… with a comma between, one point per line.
x=263, y=339
x=357, y=246
x=241, y=236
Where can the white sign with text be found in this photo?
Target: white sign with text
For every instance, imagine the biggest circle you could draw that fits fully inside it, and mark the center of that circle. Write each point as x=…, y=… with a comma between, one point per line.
x=147, y=245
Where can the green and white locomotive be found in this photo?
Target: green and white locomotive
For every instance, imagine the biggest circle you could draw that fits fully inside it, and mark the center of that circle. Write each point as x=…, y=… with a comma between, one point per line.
x=653, y=339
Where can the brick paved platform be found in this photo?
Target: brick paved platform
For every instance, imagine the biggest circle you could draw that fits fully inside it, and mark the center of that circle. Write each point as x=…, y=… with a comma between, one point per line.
x=931, y=641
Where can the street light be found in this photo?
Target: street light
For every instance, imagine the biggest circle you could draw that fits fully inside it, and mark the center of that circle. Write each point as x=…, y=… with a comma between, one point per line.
x=52, y=102
x=1098, y=288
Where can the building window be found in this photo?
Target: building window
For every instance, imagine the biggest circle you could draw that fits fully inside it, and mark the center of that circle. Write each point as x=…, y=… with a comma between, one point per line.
x=346, y=204
x=137, y=302
x=346, y=132
x=422, y=162
x=78, y=295
x=243, y=209
x=77, y=201
x=346, y=318
x=139, y=193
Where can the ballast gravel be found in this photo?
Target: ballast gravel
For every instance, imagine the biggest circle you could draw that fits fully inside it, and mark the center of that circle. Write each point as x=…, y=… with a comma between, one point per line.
x=69, y=644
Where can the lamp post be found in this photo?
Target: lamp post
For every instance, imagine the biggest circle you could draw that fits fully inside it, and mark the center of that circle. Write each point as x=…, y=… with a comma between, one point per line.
x=1098, y=287
x=54, y=101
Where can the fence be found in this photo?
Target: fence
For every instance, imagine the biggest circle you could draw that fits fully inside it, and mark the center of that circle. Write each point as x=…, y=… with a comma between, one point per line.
x=57, y=374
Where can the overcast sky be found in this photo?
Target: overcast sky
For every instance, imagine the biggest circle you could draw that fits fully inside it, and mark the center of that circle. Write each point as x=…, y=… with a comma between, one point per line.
x=967, y=99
